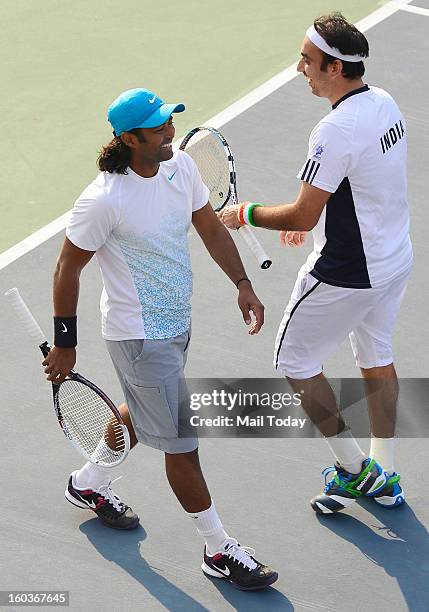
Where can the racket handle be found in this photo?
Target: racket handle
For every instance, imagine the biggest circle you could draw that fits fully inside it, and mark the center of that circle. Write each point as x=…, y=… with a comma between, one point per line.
x=255, y=246
x=24, y=315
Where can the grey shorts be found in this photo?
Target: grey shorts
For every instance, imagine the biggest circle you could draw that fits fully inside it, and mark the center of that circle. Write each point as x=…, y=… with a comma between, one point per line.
x=151, y=373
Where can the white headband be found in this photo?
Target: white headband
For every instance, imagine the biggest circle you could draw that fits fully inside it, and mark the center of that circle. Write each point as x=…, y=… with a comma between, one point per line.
x=320, y=42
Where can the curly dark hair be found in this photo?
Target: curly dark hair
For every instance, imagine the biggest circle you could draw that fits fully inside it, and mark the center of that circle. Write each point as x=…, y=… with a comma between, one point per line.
x=116, y=156
x=342, y=35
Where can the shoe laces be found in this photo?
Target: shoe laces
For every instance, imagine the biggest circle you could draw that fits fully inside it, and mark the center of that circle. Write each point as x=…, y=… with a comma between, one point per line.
x=393, y=478
x=241, y=554
x=344, y=479
x=325, y=473
x=106, y=491
x=340, y=478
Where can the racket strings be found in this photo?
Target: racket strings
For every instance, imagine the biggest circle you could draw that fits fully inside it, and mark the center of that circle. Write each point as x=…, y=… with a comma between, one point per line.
x=90, y=422
x=210, y=155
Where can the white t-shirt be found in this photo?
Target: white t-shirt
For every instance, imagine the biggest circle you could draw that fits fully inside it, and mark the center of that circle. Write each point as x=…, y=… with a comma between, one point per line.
x=138, y=228
x=358, y=152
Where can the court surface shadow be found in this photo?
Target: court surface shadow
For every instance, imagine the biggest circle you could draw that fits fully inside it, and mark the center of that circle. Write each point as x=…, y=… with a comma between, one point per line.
x=400, y=545
x=123, y=548
x=266, y=600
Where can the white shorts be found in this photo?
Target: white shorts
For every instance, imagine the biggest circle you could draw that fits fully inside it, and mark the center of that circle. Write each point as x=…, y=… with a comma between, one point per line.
x=319, y=317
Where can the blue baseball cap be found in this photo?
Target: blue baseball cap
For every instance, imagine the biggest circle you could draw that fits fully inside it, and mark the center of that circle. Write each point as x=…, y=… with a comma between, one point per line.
x=139, y=108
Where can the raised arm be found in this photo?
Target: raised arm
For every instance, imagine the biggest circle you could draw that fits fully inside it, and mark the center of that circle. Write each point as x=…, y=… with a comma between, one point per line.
x=301, y=215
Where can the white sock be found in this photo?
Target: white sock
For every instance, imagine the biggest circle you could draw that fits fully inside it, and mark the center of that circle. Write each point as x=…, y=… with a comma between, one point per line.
x=91, y=476
x=347, y=451
x=209, y=525
x=383, y=451
x=103, y=451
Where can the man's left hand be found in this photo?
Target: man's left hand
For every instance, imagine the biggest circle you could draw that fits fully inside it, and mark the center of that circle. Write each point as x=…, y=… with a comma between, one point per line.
x=248, y=302
x=229, y=216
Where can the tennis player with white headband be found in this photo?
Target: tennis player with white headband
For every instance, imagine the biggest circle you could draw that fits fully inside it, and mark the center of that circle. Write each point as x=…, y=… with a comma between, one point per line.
x=353, y=197
x=313, y=35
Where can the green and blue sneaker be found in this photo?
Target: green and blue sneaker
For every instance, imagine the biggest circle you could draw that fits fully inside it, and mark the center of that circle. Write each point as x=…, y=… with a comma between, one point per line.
x=344, y=488
x=392, y=494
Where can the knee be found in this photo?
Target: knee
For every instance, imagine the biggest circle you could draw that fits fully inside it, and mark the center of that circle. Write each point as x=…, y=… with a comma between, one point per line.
x=384, y=371
x=183, y=458
x=123, y=411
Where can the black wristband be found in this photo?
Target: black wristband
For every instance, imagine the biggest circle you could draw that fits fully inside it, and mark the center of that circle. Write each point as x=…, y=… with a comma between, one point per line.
x=242, y=279
x=65, y=331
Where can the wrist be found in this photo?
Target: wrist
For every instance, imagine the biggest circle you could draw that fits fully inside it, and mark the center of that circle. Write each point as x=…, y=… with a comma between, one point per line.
x=65, y=332
x=243, y=282
x=64, y=348
x=248, y=213
x=241, y=212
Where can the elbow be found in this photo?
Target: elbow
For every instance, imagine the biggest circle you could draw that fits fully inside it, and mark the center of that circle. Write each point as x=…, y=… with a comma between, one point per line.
x=61, y=266
x=308, y=227
x=308, y=222
x=301, y=219
x=58, y=268
x=301, y=225
x=64, y=270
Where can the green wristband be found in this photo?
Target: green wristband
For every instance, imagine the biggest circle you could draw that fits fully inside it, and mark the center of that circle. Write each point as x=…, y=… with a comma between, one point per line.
x=249, y=211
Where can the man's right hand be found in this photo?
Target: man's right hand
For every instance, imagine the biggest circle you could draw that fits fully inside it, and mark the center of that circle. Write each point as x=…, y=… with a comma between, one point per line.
x=59, y=362
x=292, y=238
x=249, y=302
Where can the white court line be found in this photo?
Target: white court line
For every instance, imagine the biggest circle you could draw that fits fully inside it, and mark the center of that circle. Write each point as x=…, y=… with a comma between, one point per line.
x=290, y=73
x=231, y=112
x=418, y=10
x=32, y=241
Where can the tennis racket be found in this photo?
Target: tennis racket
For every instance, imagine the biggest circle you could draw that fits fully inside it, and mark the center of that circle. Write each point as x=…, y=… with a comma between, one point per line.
x=210, y=151
x=87, y=417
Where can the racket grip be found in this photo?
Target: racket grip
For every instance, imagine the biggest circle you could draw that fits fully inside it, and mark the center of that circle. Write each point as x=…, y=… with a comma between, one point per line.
x=24, y=315
x=255, y=246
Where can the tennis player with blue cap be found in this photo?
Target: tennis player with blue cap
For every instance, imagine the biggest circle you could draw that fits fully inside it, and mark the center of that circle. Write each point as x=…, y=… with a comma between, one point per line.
x=140, y=108
x=135, y=216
